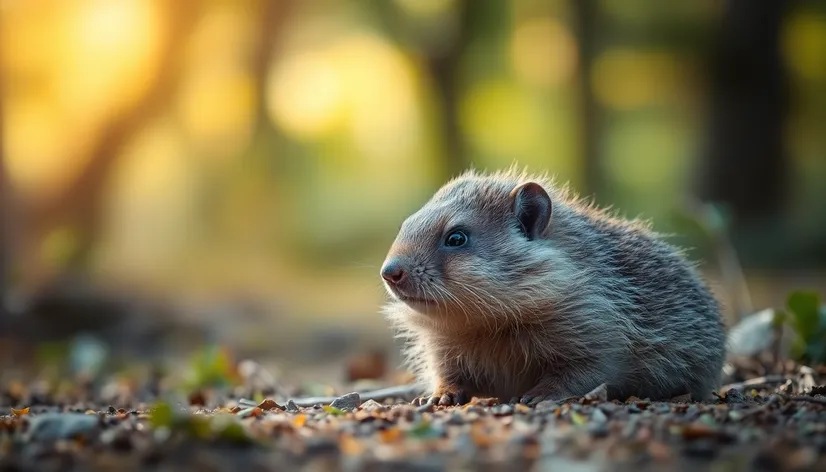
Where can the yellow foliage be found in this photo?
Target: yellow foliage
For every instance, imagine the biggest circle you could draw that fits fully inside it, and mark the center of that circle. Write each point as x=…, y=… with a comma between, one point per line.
x=804, y=43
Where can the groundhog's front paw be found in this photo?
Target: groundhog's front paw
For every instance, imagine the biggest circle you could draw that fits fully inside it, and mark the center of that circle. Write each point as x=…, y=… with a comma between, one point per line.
x=532, y=399
x=536, y=395
x=448, y=396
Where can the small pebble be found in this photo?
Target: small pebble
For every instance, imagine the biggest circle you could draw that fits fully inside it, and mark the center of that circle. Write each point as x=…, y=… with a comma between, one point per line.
x=546, y=406
x=502, y=409
x=456, y=418
x=734, y=396
x=371, y=405
x=54, y=426
x=598, y=430
x=347, y=402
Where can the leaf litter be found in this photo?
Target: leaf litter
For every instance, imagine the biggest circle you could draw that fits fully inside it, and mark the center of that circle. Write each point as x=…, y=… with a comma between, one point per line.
x=218, y=426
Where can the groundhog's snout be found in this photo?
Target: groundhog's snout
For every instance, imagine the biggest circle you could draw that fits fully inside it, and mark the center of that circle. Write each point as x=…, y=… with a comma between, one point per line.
x=393, y=271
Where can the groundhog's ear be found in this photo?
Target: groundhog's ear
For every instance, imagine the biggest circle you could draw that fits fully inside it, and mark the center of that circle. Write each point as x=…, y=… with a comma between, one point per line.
x=532, y=207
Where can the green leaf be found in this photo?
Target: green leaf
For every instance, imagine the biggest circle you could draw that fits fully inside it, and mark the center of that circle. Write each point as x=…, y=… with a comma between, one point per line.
x=578, y=418
x=779, y=318
x=197, y=426
x=424, y=430
x=333, y=410
x=797, y=350
x=227, y=428
x=806, y=309
x=235, y=433
x=161, y=416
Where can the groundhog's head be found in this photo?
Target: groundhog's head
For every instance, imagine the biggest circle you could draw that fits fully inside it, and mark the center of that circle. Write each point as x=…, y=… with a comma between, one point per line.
x=470, y=248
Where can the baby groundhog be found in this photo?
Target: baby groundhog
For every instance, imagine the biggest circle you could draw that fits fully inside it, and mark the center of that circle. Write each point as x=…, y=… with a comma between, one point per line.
x=508, y=286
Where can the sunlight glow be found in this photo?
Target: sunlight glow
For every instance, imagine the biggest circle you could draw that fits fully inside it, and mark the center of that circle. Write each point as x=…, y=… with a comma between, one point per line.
x=42, y=150
x=216, y=108
x=305, y=95
x=380, y=97
x=501, y=119
x=150, y=194
x=72, y=68
x=217, y=96
x=359, y=84
x=543, y=52
x=628, y=79
x=109, y=55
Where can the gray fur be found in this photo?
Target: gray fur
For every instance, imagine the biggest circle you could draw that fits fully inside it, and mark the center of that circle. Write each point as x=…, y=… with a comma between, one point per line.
x=594, y=299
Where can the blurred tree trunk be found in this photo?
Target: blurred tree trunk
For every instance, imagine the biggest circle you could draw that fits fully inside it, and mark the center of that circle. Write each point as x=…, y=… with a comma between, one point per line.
x=5, y=220
x=443, y=66
x=79, y=206
x=274, y=14
x=585, y=13
x=745, y=163
x=443, y=52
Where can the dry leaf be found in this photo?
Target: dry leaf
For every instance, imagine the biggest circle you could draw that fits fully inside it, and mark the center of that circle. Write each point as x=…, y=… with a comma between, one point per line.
x=350, y=445
x=16, y=391
x=483, y=401
x=390, y=435
x=197, y=398
x=299, y=421
x=269, y=404
x=696, y=431
x=251, y=412
x=520, y=408
x=480, y=437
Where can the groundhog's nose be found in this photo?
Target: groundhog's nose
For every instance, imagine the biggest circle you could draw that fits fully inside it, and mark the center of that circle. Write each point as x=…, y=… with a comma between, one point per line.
x=393, y=272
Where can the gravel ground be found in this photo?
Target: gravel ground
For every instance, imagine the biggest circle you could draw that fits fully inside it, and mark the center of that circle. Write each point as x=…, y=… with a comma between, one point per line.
x=777, y=422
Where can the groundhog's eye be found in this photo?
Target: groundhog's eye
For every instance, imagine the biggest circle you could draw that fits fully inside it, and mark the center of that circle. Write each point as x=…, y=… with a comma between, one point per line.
x=456, y=239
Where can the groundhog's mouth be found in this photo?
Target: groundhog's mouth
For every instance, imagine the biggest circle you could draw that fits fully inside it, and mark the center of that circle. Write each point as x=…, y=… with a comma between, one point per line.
x=415, y=300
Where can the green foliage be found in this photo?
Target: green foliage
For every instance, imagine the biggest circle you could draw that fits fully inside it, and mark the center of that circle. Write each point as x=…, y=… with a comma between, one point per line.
x=161, y=416
x=807, y=317
x=211, y=367
x=52, y=354
x=218, y=427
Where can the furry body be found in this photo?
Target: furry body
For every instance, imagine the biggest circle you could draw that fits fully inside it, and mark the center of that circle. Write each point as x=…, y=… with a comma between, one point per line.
x=531, y=307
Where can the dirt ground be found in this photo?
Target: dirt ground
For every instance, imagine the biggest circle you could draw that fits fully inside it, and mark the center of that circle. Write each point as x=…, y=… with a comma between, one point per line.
x=771, y=421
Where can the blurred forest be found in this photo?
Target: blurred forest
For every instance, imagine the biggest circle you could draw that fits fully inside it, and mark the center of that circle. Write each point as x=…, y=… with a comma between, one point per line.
x=245, y=164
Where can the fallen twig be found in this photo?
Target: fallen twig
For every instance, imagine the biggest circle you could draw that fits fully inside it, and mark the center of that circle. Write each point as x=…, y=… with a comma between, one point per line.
x=407, y=392
x=802, y=398
x=767, y=380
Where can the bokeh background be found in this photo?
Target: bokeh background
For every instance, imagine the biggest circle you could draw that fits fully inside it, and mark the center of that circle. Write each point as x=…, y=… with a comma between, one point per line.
x=214, y=172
